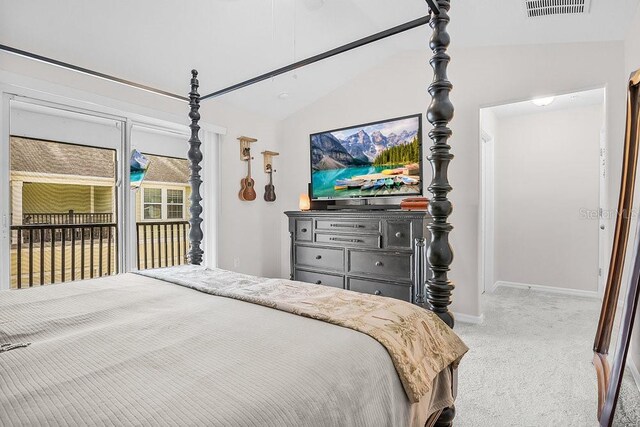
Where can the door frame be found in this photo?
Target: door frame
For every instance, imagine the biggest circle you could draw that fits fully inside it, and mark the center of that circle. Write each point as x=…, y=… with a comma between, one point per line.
x=487, y=231
x=604, y=233
x=58, y=110
x=602, y=221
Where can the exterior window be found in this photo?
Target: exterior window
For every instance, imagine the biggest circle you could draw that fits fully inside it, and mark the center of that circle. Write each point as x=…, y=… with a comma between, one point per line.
x=152, y=203
x=175, y=204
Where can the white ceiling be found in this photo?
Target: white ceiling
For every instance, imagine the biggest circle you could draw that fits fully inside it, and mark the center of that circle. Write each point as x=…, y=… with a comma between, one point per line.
x=560, y=102
x=158, y=43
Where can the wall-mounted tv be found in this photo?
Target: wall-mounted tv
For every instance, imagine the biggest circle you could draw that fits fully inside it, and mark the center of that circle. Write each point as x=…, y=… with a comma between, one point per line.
x=379, y=159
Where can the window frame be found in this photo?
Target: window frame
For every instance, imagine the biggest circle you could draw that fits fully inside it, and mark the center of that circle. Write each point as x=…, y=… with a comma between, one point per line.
x=144, y=204
x=181, y=204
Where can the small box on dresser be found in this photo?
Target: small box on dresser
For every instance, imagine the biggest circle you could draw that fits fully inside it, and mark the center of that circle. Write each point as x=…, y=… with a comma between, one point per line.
x=365, y=251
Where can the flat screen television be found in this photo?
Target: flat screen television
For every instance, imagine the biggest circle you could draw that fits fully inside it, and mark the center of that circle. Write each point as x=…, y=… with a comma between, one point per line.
x=379, y=159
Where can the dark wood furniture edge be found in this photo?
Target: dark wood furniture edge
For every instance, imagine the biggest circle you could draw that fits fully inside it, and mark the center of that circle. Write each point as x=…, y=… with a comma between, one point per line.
x=609, y=378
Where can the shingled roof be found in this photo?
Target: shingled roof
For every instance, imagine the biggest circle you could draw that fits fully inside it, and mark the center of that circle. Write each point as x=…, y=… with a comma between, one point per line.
x=47, y=157
x=167, y=169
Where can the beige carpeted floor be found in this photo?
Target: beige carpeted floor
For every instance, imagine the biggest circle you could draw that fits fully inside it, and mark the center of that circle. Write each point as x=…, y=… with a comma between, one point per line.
x=530, y=364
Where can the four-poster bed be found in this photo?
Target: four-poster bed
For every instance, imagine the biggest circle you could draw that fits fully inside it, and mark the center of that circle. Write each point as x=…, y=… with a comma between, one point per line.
x=190, y=350
x=435, y=294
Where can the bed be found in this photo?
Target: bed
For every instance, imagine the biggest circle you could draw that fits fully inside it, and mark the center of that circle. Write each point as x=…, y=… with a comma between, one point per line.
x=192, y=345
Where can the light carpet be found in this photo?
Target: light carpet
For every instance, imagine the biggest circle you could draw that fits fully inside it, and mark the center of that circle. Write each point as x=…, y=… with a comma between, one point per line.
x=529, y=364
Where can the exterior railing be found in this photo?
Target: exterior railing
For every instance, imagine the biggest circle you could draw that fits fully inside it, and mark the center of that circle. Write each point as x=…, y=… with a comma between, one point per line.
x=70, y=217
x=46, y=254
x=43, y=254
x=162, y=244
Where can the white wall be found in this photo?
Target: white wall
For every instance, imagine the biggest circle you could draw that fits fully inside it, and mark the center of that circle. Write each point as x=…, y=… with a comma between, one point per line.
x=546, y=184
x=632, y=45
x=632, y=63
x=249, y=231
x=481, y=77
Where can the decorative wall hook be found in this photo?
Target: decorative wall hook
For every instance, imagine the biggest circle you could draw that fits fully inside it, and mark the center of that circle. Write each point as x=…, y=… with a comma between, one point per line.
x=245, y=147
x=268, y=160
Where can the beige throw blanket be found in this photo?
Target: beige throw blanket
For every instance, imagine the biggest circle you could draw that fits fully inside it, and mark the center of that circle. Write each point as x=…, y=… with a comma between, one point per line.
x=419, y=343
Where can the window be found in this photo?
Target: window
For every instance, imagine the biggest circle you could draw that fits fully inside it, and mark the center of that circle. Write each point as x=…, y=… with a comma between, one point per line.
x=175, y=204
x=152, y=203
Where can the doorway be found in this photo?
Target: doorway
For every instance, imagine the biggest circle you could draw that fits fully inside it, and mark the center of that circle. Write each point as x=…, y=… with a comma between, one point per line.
x=542, y=177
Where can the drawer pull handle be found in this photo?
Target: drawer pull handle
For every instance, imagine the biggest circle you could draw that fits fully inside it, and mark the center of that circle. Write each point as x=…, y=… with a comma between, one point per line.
x=338, y=239
x=399, y=234
x=318, y=282
x=347, y=225
x=303, y=230
x=377, y=292
x=379, y=263
x=318, y=256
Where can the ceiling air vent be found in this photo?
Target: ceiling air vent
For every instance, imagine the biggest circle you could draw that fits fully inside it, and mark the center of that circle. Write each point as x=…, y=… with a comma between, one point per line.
x=536, y=8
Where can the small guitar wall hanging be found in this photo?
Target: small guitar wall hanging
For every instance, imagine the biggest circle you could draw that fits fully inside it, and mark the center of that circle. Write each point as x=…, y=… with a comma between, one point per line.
x=247, y=191
x=269, y=189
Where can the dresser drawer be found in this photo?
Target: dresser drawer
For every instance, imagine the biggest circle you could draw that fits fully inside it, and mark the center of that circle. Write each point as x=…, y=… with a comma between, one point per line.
x=320, y=278
x=398, y=234
x=380, y=288
x=348, y=225
x=325, y=258
x=396, y=267
x=360, y=240
x=303, y=230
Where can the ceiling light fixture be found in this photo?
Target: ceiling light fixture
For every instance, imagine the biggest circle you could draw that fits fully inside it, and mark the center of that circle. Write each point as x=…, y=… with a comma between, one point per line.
x=283, y=95
x=543, y=102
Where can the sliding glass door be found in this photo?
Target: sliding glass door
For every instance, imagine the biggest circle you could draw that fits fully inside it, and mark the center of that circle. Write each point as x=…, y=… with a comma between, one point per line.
x=67, y=209
x=64, y=194
x=161, y=202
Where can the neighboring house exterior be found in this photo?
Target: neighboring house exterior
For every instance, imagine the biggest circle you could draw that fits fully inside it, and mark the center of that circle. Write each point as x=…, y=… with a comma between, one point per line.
x=55, y=183
x=165, y=191
x=56, y=178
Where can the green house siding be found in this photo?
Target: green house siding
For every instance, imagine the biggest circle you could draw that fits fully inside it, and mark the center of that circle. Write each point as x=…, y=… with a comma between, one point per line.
x=59, y=198
x=103, y=199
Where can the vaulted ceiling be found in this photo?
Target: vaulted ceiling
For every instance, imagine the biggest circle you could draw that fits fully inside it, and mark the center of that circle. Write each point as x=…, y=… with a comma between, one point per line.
x=156, y=43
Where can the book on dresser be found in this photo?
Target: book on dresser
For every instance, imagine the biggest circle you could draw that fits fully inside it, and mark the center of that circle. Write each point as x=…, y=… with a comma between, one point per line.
x=375, y=252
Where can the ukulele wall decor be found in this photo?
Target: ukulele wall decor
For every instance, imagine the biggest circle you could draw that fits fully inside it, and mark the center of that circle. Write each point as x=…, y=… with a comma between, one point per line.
x=247, y=191
x=269, y=189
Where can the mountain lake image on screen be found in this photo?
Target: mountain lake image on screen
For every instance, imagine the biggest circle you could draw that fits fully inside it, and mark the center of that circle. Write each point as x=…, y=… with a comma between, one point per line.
x=380, y=159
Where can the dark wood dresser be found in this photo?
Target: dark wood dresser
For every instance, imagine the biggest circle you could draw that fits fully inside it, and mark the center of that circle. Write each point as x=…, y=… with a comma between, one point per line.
x=376, y=252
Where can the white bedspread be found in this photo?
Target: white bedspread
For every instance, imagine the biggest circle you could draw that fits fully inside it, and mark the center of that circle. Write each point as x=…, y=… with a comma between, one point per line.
x=131, y=350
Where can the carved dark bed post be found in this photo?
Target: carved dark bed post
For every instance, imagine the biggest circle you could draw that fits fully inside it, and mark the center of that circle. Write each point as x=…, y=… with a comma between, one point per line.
x=195, y=157
x=440, y=112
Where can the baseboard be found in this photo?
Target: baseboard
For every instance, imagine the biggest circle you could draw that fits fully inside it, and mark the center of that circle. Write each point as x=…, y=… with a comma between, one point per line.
x=468, y=318
x=550, y=289
x=634, y=371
